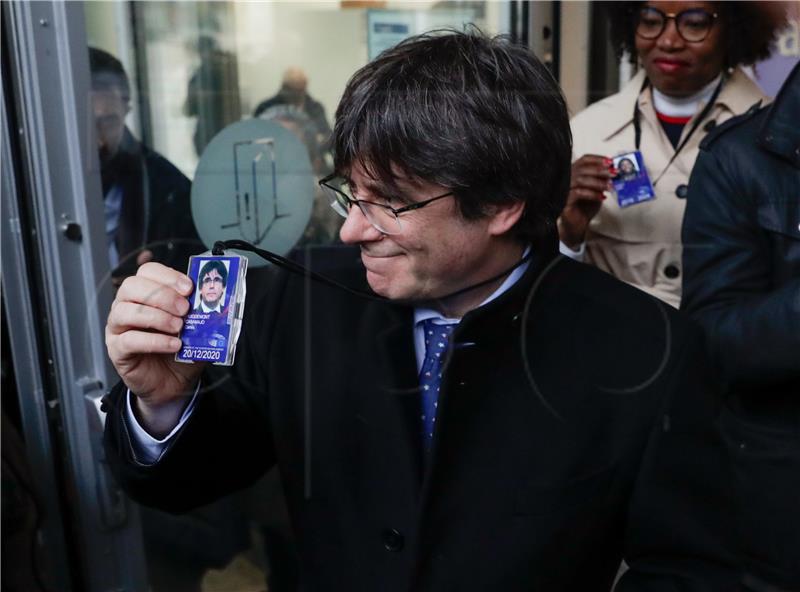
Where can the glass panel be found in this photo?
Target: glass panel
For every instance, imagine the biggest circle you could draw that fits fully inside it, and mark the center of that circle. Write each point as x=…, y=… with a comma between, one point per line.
x=218, y=129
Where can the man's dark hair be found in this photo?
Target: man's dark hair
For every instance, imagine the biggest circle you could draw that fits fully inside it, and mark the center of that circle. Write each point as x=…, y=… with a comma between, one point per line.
x=480, y=116
x=107, y=71
x=750, y=29
x=214, y=264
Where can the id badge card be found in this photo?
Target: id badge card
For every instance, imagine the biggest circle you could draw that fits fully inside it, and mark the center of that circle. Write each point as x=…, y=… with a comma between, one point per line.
x=632, y=184
x=211, y=329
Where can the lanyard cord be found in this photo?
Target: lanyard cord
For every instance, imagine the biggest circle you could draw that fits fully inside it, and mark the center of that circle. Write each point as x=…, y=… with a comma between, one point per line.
x=220, y=246
x=637, y=125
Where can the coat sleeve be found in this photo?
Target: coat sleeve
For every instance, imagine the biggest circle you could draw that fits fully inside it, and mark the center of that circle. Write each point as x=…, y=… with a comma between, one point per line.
x=727, y=285
x=680, y=535
x=225, y=444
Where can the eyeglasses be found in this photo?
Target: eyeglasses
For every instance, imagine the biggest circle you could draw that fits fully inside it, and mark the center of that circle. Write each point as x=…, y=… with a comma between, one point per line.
x=693, y=25
x=382, y=216
x=208, y=280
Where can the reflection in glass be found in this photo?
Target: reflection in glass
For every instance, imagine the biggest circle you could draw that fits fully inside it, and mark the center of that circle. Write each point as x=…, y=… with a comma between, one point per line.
x=213, y=93
x=193, y=69
x=146, y=199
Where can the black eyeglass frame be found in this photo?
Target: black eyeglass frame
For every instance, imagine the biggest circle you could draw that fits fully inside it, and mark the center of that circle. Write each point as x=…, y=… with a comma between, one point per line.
x=395, y=211
x=674, y=16
x=210, y=280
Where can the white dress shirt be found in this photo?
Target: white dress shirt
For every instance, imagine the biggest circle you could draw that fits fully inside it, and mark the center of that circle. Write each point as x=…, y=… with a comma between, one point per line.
x=113, y=211
x=423, y=314
x=217, y=308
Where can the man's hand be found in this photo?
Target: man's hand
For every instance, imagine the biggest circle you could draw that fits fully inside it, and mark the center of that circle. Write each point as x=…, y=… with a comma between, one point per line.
x=591, y=176
x=141, y=336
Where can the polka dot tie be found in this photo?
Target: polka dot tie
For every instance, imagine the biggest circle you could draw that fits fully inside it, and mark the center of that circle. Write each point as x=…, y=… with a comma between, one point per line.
x=437, y=340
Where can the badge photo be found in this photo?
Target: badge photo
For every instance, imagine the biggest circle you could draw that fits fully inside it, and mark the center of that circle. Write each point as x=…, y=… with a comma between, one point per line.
x=211, y=328
x=632, y=184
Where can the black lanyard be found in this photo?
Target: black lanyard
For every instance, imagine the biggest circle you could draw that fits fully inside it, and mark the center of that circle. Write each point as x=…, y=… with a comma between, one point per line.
x=637, y=124
x=274, y=258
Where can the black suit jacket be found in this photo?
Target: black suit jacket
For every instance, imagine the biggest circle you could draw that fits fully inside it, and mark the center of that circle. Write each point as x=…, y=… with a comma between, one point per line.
x=569, y=409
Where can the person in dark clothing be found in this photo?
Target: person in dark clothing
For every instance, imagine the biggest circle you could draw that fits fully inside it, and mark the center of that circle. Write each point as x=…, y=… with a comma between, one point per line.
x=741, y=240
x=147, y=199
x=213, y=92
x=293, y=93
x=491, y=416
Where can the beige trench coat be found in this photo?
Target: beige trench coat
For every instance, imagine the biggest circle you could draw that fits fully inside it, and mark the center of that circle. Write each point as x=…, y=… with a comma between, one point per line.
x=641, y=244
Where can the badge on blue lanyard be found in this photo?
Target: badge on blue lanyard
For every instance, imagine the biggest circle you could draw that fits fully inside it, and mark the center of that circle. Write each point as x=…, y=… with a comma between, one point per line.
x=211, y=329
x=632, y=184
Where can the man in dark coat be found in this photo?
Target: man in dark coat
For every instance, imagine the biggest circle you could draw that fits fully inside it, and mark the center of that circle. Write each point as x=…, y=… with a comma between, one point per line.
x=742, y=282
x=294, y=94
x=147, y=200
x=489, y=416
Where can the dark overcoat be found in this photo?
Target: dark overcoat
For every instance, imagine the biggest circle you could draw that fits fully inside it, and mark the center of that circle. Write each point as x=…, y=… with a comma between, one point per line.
x=742, y=283
x=574, y=426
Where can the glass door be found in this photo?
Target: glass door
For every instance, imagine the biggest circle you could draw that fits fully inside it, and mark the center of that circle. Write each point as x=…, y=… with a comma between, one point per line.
x=56, y=299
x=144, y=131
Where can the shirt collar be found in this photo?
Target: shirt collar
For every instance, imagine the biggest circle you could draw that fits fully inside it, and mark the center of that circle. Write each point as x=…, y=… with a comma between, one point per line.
x=738, y=93
x=621, y=115
x=684, y=106
x=422, y=313
x=205, y=309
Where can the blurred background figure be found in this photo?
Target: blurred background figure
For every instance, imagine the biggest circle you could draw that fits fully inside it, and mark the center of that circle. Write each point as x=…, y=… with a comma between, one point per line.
x=213, y=93
x=295, y=110
x=301, y=125
x=742, y=260
x=323, y=226
x=690, y=80
x=293, y=93
x=147, y=200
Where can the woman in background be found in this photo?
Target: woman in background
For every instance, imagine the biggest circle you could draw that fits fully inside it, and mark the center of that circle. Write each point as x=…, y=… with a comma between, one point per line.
x=690, y=81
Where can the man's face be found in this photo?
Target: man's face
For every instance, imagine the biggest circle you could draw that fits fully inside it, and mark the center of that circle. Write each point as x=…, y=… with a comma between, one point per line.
x=436, y=253
x=211, y=288
x=677, y=67
x=109, y=109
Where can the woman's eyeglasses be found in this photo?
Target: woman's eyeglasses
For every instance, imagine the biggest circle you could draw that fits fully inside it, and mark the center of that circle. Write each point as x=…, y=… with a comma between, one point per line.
x=693, y=25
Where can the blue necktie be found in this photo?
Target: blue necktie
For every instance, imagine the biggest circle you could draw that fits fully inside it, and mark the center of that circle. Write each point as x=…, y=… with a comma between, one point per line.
x=437, y=340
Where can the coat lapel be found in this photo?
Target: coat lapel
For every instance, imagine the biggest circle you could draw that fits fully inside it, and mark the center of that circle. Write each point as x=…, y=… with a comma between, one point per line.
x=389, y=401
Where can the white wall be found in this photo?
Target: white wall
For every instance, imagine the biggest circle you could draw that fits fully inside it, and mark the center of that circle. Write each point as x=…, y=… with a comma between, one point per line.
x=574, y=46
x=326, y=42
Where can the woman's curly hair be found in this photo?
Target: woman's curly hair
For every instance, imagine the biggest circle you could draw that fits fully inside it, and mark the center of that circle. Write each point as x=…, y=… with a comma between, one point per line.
x=750, y=29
